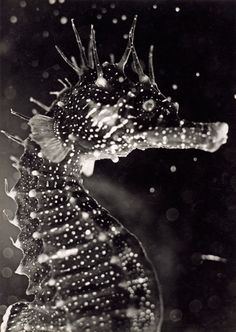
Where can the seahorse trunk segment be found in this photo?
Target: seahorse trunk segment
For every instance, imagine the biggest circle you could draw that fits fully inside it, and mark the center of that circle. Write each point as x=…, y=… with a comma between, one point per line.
x=86, y=271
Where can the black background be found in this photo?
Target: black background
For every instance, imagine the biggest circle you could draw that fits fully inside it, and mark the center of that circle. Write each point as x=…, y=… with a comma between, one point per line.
x=190, y=211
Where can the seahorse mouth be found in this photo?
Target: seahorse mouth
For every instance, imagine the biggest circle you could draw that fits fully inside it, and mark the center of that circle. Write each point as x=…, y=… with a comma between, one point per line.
x=204, y=136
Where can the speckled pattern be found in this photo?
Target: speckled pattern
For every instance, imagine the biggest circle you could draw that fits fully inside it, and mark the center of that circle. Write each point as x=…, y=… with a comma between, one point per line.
x=87, y=272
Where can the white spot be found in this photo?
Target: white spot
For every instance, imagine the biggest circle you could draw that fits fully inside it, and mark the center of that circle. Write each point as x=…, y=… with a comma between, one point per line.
x=32, y=193
x=214, y=258
x=154, y=6
x=152, y=190
x=42, y=258
x=51, y=282
x=174, y=86
x=85, y=215
x=102, y=236
x=101, y=82
x=197, y=74
x=13, y=19
x=114, y=260
x=177, y=9
x=33, y=215
x=124, y=17
x=63, y=20
x=114, y=21
x=173, y=168
x=60, y=104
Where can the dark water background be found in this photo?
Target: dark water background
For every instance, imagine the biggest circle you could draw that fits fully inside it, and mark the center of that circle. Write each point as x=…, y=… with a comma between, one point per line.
x=187, y=212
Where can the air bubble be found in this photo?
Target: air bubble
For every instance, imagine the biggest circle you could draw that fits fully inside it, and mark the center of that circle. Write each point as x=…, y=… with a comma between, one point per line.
x=125, y=36
x=45, y=74
x=174, y=86
x=6, y=272
x=99, y=16
x=175, y=315
x=45, y=34
x=173, y=168
x=114, y=21
x=154, y=6
x=13, y=19
x=63, y=20
x=52, y=2
x=152, y=190
x=23, y=4
x=177, y=9
x=7, y=252
x=124, y=17
x=197, y=74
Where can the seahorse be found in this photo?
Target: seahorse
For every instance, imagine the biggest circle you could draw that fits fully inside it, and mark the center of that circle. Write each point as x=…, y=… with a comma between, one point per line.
x=86, y=271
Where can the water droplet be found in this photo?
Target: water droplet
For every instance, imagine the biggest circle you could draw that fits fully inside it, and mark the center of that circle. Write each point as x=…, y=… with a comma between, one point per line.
x=173, y=168
x=152, y=190
x=6, y=272
x=125, y=36
x=13, y=19
x=63, y=20
x=61, y=1
x=23, y=4
x=197, y=74
x=56, y=12
x=8, y=252
x=124, y=17
x=99, y=16
x=114, y=21
x=154, y=6
x=195, y=159
x=45, y=34
x=235, y=96
x=45, y=74
x=175, y=315
x=177, y=9
x=52, y=2
x=174, y=86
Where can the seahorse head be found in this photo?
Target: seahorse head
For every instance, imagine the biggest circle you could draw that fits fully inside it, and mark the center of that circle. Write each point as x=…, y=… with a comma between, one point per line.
x=107, y=115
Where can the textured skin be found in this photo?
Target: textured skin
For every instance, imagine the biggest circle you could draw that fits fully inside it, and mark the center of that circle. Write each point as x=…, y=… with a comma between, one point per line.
x=86, y=271
x=106, y=285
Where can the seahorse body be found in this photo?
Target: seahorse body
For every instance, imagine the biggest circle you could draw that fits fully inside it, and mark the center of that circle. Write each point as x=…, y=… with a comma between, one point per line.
x=86, y=271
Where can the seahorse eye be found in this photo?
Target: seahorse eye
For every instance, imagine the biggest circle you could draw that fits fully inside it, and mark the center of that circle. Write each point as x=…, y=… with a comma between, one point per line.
x=149, y=105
